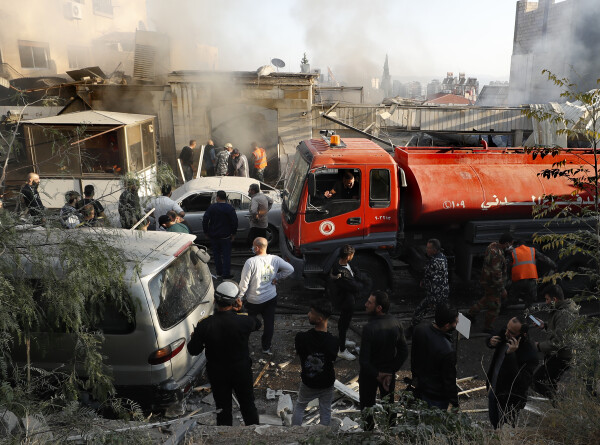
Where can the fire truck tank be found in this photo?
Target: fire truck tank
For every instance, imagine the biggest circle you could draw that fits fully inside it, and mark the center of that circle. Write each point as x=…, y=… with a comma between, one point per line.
x=447, y=186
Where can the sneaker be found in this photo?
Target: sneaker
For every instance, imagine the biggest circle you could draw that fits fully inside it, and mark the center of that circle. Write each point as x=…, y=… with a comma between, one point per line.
x=267, y=351
x=350, y=344
x=346, y=355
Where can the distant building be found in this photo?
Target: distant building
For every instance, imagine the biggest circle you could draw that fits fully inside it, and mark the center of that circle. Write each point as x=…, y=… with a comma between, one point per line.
x=434, y=87
x=562, y=37
x=447, y=100
x=493, y=95
x=461, y=86
x=386, y=80
x=49, y=37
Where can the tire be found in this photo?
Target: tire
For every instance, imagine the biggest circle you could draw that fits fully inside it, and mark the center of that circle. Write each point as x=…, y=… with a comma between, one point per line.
x=376, y=269
x=272, y=236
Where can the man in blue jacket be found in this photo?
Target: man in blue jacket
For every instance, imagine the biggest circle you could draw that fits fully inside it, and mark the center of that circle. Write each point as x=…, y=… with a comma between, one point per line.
x=220, y=224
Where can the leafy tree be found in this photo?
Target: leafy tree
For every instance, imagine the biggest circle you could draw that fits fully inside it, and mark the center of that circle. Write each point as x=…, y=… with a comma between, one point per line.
x=581, y=245
x=55, y=282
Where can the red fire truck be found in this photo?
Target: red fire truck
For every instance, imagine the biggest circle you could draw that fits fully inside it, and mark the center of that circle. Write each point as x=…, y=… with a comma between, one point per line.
x=465, y=197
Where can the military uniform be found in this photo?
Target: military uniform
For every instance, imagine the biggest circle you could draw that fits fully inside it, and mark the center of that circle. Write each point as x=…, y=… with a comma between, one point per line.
x=435, y=282
x=493, y=277
x=222, y=163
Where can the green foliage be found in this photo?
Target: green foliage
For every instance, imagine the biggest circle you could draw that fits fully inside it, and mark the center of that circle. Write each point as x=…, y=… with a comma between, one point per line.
x=580, y=246
x=417, y=423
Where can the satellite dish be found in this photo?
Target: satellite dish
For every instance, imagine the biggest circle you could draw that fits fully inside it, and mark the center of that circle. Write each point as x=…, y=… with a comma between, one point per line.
x=278, y=63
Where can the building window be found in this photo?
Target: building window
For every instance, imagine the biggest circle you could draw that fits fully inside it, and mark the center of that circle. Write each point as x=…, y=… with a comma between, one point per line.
x=103, y=7
x=78, y=56
x=34, y=54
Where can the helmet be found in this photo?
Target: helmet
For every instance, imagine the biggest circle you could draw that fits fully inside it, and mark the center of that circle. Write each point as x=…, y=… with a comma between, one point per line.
x=227, y=292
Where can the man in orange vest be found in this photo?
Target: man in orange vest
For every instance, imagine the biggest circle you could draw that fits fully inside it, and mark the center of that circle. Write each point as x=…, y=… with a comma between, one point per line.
x=524, y=274
x=260, y=162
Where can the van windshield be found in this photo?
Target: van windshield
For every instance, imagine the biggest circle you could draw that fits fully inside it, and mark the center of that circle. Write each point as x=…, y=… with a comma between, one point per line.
x=180, y=288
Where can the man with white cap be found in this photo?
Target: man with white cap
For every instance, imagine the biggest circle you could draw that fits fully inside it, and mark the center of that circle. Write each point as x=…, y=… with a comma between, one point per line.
x=224, y=335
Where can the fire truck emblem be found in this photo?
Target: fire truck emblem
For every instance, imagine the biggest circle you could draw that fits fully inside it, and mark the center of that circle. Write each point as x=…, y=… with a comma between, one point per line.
x=327, y=228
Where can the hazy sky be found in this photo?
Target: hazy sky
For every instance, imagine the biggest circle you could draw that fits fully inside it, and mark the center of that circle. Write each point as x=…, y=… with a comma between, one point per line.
x=423, y=38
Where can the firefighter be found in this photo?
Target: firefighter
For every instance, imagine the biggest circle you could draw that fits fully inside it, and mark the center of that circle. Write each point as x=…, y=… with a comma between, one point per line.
x=225, y=335
x=524, y=274
x=260, y=161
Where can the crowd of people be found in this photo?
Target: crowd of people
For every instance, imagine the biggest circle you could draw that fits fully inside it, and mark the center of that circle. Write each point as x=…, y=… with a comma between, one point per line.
x=227, y=161
x=509, y=274
x=383, y=346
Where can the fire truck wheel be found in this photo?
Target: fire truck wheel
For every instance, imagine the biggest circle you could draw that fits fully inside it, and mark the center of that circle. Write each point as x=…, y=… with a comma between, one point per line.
x=272, y=236
x=376, y=270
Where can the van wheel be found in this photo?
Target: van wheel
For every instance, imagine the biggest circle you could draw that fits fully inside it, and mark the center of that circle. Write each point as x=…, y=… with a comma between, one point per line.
x=272, y=234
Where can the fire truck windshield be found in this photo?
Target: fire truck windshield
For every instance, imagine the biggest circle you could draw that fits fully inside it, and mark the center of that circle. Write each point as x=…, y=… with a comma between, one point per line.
x=293, y=187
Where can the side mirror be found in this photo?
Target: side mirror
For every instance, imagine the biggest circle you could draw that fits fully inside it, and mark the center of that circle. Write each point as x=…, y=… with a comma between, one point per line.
x=202, y=254
x=312, y=184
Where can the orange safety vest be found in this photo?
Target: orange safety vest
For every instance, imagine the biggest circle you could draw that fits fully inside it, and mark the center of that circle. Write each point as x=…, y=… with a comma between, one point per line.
x=523, y=266
x=260, y=158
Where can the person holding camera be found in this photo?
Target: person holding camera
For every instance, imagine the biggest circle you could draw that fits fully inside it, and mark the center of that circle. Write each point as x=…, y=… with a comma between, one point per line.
x=510, y=372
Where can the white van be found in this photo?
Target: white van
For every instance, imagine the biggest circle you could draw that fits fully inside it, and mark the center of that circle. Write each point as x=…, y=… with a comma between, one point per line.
x=171, y=289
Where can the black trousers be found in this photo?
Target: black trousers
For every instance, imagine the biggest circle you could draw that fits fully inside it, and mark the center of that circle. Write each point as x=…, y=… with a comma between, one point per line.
x=234, y=377
x=367, y=392
x=188, y=173
x=255, y=232
x=546, y=377
x=267, y=311
x=346, y=307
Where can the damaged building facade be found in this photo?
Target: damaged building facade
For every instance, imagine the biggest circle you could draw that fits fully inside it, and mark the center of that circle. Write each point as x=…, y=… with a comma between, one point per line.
x=55, y=36
x=560, y=36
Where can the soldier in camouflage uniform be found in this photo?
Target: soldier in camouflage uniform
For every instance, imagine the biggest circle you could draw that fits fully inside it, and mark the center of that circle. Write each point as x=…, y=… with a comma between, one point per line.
x=493, y=280
x=222, y=161
x=435, y=281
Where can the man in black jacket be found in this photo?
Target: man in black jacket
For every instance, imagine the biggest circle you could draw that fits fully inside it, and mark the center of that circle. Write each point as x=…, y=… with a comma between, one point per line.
x=510, y=372
x=187, y=159
x=317, y=349
x=344, y=285
x=225, y=335
x=31, y=198
x=383, y=350
x=220, y=224
x=433, y=360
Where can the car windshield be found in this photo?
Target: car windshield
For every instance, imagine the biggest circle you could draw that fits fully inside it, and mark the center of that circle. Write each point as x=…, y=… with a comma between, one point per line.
x=295, y=182
x=178, y=289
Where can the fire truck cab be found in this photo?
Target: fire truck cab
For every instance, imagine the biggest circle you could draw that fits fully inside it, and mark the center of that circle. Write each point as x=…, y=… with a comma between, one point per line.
x=340, y=193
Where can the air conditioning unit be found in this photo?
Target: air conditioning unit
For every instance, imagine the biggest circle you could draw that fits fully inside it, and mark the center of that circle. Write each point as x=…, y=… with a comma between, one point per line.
x=73, y=11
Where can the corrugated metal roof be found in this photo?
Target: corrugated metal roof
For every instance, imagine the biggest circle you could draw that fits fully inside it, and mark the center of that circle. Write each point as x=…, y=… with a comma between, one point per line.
x=92, y=118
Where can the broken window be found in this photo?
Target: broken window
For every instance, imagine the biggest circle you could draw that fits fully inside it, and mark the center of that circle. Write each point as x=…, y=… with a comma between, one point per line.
x=34, y=54
x=53, y=153
x=100, y=154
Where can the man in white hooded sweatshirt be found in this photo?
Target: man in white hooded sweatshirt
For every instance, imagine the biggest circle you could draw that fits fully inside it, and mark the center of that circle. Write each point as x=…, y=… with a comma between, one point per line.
x=257, y=284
